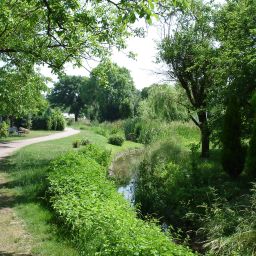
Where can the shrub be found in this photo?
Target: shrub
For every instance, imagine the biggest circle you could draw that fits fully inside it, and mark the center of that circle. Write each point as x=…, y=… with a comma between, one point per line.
x=99, y=219
x=100, y=155
x=51, y=119
x=230, y=228
x=116, y=140
x=4, y=129
x=76, y=144
x=172, y=183
x=85, y=142
x=233, y=154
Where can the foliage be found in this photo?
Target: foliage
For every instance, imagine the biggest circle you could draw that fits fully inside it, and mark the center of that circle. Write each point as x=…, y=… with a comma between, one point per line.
x=66, y=94
x=100, y=220
x=20, y=92
x=230, y=228
x=251, y=153
x=108, y=128
x=85, y=142
x=51, y=119
x=76, y=143
x=233, y=155
x=116, y=139
x=56, y=32
x=4, y=129
x=189, y=54
x=111, y=92
x=162, y=103
x=147, y=131
x=170, y=185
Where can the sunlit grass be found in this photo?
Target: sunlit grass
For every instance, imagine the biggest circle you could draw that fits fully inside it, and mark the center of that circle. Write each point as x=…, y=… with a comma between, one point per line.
x=32, y=134
x=27, y=172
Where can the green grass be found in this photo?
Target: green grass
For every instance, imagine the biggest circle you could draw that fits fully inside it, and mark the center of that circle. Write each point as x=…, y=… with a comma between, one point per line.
x=31, y=135
x=27, y=172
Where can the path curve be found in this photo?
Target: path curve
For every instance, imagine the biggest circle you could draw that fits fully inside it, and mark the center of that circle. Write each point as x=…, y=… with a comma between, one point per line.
x=14, y=239
x=7, y=148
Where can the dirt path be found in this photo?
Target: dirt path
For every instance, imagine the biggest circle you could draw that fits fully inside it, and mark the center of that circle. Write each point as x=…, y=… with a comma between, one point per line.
x=14, y=240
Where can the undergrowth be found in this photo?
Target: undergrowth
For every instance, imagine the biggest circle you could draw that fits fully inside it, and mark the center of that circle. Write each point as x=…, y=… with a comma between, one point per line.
x=100, y=220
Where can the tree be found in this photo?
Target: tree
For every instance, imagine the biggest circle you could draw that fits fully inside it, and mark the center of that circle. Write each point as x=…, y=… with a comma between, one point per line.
x=235, y=33
x=232, y=151
x=20, y=92
x=113, y=90
x=251, y=155
x=66, y=94
x=162, y=103
x=59, y=31
x=188, y=52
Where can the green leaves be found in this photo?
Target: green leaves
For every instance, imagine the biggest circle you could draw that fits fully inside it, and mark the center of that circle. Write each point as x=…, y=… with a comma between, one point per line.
x=100, y=221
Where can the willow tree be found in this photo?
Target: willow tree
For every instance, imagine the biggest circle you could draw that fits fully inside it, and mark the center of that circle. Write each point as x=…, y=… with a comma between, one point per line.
x=188, y=52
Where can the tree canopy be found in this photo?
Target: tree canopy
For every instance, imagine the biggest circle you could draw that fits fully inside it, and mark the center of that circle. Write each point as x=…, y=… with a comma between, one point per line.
x=66, y=94
x=112, y=91
x=188, y=52
x=59, y=31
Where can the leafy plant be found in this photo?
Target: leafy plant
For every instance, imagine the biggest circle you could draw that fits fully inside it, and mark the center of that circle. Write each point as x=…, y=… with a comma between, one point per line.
x=76, y=144
x=116, y=140
x=99, y=219
x=4, y=129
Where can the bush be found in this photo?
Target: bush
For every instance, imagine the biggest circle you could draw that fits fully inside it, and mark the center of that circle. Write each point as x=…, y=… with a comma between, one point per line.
x=76, y=144
x=233, y=154
x=85, y=142
x=4, y=132
x=116, y=140
x=230, y=228
x=100, y=155
x=172, y=184
x=99, y=219
x=51, y=119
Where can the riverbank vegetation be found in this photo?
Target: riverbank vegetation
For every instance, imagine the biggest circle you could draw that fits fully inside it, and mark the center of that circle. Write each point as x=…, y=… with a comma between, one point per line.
x=196, y=135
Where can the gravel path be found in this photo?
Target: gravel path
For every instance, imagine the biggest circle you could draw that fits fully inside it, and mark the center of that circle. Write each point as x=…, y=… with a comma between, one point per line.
x=7, y=148
x=14, y=240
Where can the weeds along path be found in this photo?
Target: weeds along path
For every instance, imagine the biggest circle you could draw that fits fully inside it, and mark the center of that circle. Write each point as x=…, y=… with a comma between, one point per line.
x=14, y=240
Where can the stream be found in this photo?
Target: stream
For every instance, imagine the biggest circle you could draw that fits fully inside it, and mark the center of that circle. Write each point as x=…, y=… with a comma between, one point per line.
x=123, y=169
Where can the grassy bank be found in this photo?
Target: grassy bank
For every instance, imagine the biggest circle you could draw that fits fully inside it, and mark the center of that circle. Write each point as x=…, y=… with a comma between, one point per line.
x=100, y=220
x=27, y=171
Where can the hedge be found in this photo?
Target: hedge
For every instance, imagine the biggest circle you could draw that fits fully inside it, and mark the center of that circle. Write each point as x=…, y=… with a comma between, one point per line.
x=101, y=221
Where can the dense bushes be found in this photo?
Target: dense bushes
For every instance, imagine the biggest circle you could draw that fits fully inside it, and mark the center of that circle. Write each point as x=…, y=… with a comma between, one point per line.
x=100, y=220
x=116, y=139
x=171, y=185
x=52, y=119
x=230, y=228
x=233, y=155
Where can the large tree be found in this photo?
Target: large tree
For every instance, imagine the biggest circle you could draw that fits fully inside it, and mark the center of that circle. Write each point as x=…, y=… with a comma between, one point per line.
x=66, y=94
x=188, y=51
x=20, y=92
x=54, y=32
x=112, y=91
x=59, y=31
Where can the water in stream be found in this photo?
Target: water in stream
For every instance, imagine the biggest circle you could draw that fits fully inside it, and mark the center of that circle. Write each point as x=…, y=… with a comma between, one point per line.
x=123, y=169
x=128, y=191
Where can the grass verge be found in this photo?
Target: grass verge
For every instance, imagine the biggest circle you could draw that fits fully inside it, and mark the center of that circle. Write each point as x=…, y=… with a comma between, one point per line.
x=27, y=172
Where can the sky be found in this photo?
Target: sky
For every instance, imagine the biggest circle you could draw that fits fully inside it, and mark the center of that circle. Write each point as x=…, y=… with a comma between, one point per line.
x=144, y=70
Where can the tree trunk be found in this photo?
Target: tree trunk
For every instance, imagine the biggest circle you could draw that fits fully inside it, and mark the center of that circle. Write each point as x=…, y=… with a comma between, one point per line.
x=205, y=134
